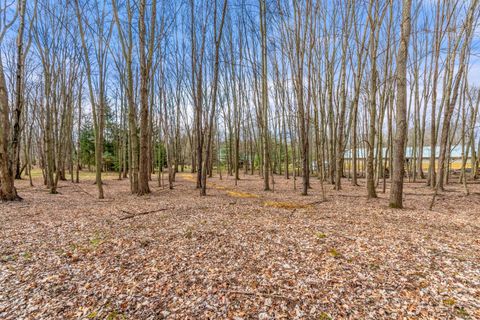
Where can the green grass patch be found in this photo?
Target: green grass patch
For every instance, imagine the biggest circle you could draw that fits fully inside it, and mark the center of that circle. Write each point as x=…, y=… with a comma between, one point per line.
x=320, y=235
x=449, y=302
x=334, y=253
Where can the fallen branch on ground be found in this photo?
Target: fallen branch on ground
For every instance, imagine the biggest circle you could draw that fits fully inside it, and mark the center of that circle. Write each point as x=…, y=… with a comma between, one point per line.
x=316, y=202
x=132, y=215
x=260, y=294
x=82, y=190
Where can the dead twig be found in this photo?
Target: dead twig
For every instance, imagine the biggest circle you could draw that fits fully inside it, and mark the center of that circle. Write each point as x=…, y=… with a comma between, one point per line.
x=316, y=202
x=259, y=294
x=82, y=190
x=132, y=215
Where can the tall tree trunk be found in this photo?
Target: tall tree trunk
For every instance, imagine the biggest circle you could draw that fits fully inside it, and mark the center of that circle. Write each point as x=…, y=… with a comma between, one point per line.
x=396, y=192
x=144, y=163
x=211, y=123
x=265, y=135
x=19, y=91
x=7, y=188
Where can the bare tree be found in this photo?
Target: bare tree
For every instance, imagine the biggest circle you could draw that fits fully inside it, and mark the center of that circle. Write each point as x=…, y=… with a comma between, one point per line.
x=396, y=192
x=97, y=102
x=264, y=109
x=7, y=188
x=145, y=75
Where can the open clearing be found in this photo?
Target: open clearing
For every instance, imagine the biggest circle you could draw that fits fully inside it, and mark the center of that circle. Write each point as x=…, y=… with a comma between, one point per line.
x=239, y=253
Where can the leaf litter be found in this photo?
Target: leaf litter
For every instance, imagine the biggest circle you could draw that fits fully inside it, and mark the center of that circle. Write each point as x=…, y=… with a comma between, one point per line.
x=268, y=255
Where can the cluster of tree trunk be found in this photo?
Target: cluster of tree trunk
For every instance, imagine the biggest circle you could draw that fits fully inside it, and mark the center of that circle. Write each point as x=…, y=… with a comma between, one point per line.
x=336, y=91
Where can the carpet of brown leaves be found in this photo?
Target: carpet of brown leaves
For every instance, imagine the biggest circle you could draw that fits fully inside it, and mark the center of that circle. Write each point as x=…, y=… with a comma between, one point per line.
x=239, y=253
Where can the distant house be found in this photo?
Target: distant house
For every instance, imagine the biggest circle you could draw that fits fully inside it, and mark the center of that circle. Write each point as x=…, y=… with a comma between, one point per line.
x=455, y=152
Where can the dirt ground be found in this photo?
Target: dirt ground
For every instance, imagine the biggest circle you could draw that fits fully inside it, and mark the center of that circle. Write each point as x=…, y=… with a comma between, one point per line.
x=239, y=253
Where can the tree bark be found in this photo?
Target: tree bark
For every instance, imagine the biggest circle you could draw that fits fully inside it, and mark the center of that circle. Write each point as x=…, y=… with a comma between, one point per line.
x=396, y=192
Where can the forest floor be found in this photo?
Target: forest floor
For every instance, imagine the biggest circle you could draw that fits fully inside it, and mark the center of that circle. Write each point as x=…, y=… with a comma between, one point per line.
x=239, y=253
